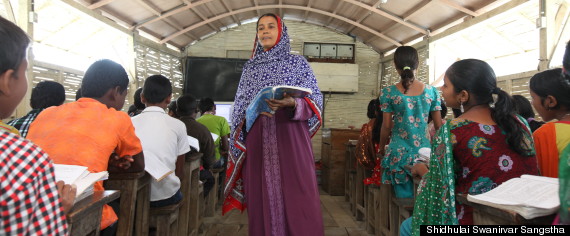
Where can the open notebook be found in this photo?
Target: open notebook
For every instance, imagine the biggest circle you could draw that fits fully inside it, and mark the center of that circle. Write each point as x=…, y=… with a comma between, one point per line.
x=80, y=177
x=530, y=196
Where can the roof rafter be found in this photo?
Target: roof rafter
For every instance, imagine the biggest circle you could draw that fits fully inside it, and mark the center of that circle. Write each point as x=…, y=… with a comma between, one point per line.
x=230, y=10
x=309, y=3
x=388, y=15
x=204, y=18
x=99, y=4
x=303, y=8
x=363, y=17
x=417, y=9
x=147, y=6
x=334, y=12
x=458, y=7
x=178, y=9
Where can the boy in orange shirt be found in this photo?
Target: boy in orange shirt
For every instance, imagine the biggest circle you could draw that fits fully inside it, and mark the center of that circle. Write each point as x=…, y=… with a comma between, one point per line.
x=89, y=131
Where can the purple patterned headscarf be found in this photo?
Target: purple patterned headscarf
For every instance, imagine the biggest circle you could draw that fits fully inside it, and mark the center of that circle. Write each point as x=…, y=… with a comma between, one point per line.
x=266, y=68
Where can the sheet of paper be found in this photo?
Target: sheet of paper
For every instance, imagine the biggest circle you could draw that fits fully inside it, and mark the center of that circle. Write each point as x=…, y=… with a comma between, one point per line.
x=194, y=143
x=69, y=173
x=215, y=136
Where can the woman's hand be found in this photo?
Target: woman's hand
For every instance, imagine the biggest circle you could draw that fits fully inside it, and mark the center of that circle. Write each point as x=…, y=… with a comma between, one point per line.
x=274, y=104
x=419, y=170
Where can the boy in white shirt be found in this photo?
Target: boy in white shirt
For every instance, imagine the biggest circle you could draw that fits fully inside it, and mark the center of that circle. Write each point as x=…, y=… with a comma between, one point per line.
x=163, y=139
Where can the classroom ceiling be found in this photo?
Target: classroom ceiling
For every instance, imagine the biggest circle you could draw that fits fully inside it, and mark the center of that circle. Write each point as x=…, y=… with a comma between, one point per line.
x=381, y=24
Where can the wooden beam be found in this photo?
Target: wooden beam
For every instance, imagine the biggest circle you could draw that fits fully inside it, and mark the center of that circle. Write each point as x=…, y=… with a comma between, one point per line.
x=204, y=18
x=358, y=21
x=334, y=12
x=97, y=16
x=256, y=4
x=562, y=29
x=389, y=16
x=9, y=10
x=170, y=12
x=280, y=9
x=458, y=7
x=147, y=6
x=309, y=3
x=366, y=28
x=481, y=18
x=417, y=9
x=230, y=10
x=99, y=4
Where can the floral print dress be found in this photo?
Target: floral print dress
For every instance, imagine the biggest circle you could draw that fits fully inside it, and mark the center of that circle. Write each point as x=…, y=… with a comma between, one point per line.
x=410, y=115
x=484, y=160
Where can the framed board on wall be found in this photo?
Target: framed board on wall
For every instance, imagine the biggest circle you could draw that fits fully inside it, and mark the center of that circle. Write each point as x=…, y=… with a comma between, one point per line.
x=217, y=78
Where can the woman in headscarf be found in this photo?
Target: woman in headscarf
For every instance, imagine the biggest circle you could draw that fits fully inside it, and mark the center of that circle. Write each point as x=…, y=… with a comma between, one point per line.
x=271, y=168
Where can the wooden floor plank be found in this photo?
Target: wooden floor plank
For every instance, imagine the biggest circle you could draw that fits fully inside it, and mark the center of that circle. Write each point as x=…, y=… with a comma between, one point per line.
x=340, y=215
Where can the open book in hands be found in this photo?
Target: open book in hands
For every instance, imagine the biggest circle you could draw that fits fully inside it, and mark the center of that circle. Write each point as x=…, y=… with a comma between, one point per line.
x=80, y=177
x=259, y=105
x=530, y=196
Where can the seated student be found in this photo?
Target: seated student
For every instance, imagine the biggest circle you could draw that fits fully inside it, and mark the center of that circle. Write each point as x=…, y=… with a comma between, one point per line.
x=186, y=109
x=524, y=109
x=31, y=201
x=217, y=125
x=172, y=109
x=163, y=139
x=484, y=147
x=550, y=97
x=78, y=94
x=137, y=107
x=92, y=132
x=44, y=95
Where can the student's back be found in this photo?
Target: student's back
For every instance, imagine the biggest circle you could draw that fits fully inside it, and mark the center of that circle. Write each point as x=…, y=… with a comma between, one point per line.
x=88, y=131
x=163, y=139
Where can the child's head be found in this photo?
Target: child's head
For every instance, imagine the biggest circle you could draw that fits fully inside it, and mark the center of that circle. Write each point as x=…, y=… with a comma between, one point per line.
x=106, y=81
x=47, y=94
x=137, y=100
x=186, y=105
x=207, y=104
x=406, y=62
x=13, y=65
x=472, y=82
x=549, y=92
x=373, y=108
x=523, y=106
x=172, y=107
x=157, y=90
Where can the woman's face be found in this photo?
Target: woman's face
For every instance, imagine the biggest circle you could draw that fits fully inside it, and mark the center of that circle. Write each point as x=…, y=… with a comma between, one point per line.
x=267, y=32
x=449, y=95
x=538, y=105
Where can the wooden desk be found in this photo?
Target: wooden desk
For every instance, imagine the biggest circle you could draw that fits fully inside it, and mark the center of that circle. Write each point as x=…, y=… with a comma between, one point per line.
x=134, y=202
x=488, y=215
x=333, y=159
x=189, y=211
x=85, y=216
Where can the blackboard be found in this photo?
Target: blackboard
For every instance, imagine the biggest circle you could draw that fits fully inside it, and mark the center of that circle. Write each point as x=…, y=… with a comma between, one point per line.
x=217, y=78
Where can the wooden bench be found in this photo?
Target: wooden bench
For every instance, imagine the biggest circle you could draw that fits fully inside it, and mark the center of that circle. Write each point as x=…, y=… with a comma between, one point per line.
x=212, y=198
x=488, y=215
x=134, y=201
x=85, y=216
x=372, y=209
x=165, y=219
x=360, y=192
x=189, y=189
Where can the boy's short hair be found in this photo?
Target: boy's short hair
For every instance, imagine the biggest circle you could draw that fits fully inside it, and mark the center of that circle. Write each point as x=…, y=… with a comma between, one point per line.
x=156, y=88
x=101, y=76
x=186, y=105
x=206, y=104
x=47, y=94
x=13, y=46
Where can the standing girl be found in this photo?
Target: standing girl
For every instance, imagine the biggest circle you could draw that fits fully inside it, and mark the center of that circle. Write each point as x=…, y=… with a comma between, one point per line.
x=409, y=102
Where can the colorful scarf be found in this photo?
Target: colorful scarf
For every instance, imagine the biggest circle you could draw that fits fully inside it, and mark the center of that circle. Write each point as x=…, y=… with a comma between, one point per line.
x=275, y=66
x=435, y=204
